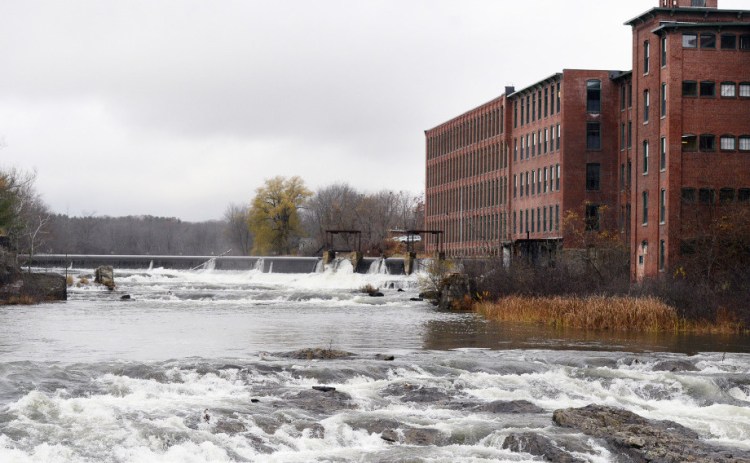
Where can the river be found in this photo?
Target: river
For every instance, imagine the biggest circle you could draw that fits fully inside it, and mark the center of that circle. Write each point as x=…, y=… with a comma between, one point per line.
x=196, y=367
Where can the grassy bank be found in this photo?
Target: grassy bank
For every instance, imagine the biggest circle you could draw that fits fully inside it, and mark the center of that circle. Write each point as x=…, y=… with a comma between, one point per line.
x=644, y=314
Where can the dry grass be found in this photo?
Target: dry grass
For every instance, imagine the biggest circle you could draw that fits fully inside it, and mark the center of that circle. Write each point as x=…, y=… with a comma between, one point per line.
x=69, y=280
x=647, y=314
x=20, y=300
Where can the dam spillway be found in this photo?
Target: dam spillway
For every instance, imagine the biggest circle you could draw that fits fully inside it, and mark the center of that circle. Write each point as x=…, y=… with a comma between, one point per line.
x=265, y=264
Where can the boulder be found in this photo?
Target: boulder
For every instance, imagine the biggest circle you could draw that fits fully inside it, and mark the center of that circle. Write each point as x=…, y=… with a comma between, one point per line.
x=455, y=290
x=105, y=275
x=644, y=440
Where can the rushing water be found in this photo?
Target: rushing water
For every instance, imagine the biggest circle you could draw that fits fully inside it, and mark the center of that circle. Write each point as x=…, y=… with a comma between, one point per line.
x=194, y=369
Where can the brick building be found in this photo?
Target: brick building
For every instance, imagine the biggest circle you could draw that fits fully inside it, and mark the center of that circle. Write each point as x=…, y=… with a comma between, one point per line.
x=640, y=151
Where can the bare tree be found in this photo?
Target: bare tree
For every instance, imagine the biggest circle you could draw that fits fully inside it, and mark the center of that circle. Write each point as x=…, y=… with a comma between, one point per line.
x=237, y=228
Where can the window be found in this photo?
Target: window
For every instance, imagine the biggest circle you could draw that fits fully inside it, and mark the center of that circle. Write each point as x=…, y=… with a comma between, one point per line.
x=646, y=56
x=630, y=134
x=622, y=97
x=663, y=99
x=708, y=40
x=622, y=136
x=645, y=157
x=622, y=177
x=662, y=254
x=706, y=196
x=527, y=183
x=728, y=42
x=645, y=208
x=690, y=40
x=557, y=180
x=728, y=90
x=745, y=42
x=663, y=206
x=707, y=142
x=744, y=143
x=689, y=142
x=593, y=136
x=646, y=105
x=745, y=90
x=663, y=153
x=689, y=88
x=688, y=195
x=592, y=217
x=515, y=184
x=593, y=171
x=559, y=136
x=593, y=96
x=708, y=89
x=726, y=195
x=698, y=3
x=743, y=195
x=727, y=143
x=663, y=51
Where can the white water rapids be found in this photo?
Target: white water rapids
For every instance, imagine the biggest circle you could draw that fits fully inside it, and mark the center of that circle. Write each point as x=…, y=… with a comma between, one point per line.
x=194, y=369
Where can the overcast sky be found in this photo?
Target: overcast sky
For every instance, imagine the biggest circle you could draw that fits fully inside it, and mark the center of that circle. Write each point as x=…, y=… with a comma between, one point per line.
x=177, y=108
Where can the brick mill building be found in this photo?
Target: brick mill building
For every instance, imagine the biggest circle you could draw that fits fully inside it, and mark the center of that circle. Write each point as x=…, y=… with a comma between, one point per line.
x=648, y=153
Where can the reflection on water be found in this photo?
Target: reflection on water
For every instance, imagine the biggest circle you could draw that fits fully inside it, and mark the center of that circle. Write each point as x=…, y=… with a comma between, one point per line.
x=470, y=330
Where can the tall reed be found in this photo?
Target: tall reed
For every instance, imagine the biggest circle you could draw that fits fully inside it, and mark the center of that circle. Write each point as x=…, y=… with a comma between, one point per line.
x=642, y=314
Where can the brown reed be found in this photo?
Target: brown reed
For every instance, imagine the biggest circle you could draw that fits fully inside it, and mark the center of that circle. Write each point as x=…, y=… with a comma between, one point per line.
x=639, y=314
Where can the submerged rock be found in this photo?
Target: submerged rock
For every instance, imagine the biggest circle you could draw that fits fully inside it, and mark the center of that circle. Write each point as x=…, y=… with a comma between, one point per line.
x=317, y=353
x=644, y=440
x=539, y=446
x=415, y=436
x=675, y=365
x=511, y=407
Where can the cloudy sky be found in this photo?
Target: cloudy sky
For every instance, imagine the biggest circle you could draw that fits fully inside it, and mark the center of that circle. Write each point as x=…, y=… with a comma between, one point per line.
x=177, y=108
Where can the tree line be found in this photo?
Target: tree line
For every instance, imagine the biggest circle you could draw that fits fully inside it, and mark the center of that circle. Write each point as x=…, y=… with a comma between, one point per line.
x=284, y=217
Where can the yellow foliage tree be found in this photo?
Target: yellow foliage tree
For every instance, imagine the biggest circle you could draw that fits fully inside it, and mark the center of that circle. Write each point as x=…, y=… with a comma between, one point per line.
x=274, y=218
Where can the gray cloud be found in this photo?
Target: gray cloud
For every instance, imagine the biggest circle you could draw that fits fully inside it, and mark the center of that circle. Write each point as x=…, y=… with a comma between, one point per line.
x=178, y=108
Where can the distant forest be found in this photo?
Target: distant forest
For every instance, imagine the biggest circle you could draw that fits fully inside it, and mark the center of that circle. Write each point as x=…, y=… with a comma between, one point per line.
x=135, y=235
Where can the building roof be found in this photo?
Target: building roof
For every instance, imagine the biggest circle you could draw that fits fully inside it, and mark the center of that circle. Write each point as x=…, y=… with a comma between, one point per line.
x=551, y=78
x=690, y=25
x=694, y=10
x=616, y=75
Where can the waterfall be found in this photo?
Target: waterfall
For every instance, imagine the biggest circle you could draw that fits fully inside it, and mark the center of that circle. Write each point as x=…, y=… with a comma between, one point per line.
x=259, y=265
x=319, y=267
x=378, y=267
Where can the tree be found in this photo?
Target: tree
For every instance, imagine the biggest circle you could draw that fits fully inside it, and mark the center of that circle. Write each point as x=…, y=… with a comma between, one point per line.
x=24, y=217
x=237, y=229
x=274, y=214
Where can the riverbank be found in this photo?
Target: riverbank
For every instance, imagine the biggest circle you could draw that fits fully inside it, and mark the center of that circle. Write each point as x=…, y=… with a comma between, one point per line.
x=600, y=313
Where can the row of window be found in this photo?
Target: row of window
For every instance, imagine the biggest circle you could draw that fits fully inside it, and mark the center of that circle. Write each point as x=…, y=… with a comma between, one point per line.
x=708, y=195
x=480, y=127
x=477, y=228
x=537, y=181
x=490, y=193
x=707, y=40
x=547, y=220
x=476, y=162
x=537, y=105
x=707, y=89
x=707, y=142
x=538, y=143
